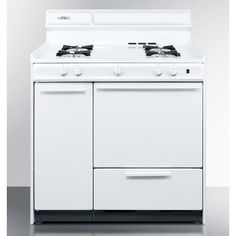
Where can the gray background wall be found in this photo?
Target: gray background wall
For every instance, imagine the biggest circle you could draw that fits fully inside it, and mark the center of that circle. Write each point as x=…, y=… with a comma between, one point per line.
x=26, y=20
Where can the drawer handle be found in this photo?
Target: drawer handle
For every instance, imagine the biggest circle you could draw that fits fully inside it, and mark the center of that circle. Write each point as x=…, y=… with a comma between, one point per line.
x=148, y=173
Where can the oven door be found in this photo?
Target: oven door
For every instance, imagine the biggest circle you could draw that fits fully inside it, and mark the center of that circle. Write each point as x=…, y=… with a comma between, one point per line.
x=148, y=125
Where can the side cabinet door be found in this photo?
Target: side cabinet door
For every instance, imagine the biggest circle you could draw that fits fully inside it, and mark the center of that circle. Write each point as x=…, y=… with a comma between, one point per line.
x=63, y=146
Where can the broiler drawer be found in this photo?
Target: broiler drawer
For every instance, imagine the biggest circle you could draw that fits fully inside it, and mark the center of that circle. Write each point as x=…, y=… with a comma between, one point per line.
x=147, y=189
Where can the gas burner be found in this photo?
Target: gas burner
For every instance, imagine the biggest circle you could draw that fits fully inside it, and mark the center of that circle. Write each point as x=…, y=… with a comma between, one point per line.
x=88, y=47
x=75, y=50
x=161, y=51
x=74, y=53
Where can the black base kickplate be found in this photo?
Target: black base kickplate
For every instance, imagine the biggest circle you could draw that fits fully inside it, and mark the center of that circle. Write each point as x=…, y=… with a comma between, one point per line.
x=119, y=216
x=63, y=216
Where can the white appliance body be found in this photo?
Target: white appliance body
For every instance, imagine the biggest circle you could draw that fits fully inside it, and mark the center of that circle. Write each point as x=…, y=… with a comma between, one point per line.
x=117, y=132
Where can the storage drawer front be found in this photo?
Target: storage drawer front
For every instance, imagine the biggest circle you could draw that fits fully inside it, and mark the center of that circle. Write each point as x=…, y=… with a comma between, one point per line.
x=148, y=189
x=148, y=125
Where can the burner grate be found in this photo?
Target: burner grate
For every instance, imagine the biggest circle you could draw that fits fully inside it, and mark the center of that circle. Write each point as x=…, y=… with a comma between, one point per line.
x=168, y=50
x=75, y=50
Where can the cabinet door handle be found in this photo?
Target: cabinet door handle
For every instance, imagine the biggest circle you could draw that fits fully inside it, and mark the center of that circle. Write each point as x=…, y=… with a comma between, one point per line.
x=148, y=173
x=63, y=91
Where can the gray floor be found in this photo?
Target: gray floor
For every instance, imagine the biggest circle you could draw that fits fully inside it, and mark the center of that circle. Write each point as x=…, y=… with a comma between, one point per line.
x=18, y=220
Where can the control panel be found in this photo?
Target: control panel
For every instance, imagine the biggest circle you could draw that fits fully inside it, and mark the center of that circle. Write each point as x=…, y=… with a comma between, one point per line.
x=116, y=72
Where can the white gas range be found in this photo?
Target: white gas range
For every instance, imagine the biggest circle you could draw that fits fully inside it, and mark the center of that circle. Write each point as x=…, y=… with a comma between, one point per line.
x=118, y=118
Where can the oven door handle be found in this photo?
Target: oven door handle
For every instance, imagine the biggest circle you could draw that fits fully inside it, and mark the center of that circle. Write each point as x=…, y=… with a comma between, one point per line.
x=155, y=87
x=146, y=89
x=138, y=174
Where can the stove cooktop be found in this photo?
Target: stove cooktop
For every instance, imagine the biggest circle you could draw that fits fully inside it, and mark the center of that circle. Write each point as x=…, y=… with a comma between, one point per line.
x=150, y=49
x=117, y=53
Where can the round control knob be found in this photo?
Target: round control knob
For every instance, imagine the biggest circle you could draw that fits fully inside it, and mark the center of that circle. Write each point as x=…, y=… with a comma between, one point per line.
x=78, y=71
x=118, y=71
x=63, y=71
x=173, y=72
x=158, y=72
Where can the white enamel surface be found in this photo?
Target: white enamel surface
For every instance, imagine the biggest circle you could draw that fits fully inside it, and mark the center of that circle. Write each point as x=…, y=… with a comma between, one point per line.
x=115, y=53
x=78, y=18
x=57, y=18
x=181, y=189
x=117, y=26
x=142, y=17
x=63, y=146
x=148, y=125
